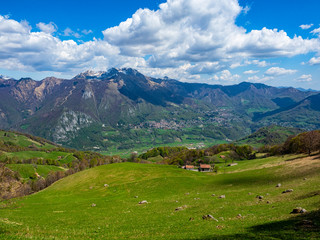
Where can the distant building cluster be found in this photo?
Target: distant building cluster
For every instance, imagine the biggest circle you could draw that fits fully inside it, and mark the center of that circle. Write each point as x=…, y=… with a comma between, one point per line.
x=201, y=168
x=220, y=117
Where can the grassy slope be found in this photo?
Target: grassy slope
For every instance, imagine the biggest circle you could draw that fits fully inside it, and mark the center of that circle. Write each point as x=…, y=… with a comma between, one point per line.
x=270, y=135
x=21, y=140
x=65, y=157
x=64, y=210
x=27, y=171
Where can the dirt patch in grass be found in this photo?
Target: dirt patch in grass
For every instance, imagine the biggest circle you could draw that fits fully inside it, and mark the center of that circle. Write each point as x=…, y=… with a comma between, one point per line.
x=303, y=166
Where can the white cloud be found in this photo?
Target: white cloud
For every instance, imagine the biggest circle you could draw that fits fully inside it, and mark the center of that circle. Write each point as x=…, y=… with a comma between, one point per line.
x=206, y=68
x=200, y=31
x=254, y=78
x=68, y=32
x=306, y=26
x=86, y=32
x=226, y=76
x=258, y=79
x=305, y=78
x=251, y=72
x=182, y=38
x=246, y=9
x=316, y=31
x=277, y=71
x=47, y=28
x=257, y=63
x=314, y=61
x=22, y=49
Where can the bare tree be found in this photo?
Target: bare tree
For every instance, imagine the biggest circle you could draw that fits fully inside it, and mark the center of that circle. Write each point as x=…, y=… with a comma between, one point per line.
x=311, y=141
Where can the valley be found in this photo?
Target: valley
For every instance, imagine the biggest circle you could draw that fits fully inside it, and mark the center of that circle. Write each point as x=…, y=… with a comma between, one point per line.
x=159, y=120
x=122, y=110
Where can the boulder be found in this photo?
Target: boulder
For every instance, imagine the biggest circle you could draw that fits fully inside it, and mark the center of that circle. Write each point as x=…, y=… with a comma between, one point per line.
x=287, y=191
x=181, y=208
x=303, y=210
x=298, y=210
x=93, y=205
x=222, y=196
x=105, y=185
x=232, y=164
x=278, y=185
x=209, y=217
x=143, y=202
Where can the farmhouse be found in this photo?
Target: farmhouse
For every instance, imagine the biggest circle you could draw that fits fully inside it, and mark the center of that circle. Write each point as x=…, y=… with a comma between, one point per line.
x=189, y=167
x=205, y=168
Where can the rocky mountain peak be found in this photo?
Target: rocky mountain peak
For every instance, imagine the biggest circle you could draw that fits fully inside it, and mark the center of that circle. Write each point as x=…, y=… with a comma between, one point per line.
x=122, y=71
x=2, y=77
x=112, y=72
x=89, y=74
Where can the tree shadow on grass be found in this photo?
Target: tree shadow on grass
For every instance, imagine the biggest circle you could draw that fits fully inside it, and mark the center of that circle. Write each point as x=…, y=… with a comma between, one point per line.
x=306, y=226
x=309, y=195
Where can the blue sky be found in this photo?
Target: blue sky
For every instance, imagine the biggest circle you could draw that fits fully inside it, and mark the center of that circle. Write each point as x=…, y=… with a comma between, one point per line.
x=212, y=41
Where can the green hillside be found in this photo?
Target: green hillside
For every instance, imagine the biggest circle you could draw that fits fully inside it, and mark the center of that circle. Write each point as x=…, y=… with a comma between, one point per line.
x=81, y=206
x=270, y=135
x=29, y=164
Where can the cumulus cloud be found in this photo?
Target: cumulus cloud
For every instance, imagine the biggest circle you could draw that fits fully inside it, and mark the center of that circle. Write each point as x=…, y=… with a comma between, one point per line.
x=22, y=49
x=200, y=31
x=306, y=26
x=277, y=71
x=251, y=72
x=257, y=63
x=226, y=76
x=47, y=28
x=182, y=38
x=305, y=78
x=316, y=31
x=314, y=61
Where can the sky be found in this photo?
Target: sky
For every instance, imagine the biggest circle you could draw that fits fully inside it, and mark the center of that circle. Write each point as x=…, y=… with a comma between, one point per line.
x=211, y=41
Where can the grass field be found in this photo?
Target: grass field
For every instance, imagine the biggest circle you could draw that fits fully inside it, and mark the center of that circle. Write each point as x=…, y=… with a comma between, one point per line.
x=28, y=171
x=65, y=210
x=21, y=140
x=144, y=148
x=62, y=157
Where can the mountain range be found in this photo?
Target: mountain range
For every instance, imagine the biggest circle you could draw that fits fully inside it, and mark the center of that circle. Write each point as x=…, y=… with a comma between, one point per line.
x=123, y=109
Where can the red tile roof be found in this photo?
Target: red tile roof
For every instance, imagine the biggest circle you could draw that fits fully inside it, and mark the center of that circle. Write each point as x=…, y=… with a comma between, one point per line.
x=205, y=166
x=189, y=166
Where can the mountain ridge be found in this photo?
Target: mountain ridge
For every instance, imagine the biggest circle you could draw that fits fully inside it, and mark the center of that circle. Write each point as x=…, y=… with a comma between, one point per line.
x=123, y=108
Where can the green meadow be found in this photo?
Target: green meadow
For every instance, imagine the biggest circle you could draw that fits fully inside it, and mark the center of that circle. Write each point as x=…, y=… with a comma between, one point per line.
x=22, y=140
x=80, y=206
x=28, y=171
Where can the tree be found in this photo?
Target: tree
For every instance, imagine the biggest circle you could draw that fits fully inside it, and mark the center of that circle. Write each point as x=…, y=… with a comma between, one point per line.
x=311, y=141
